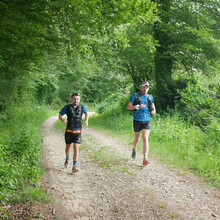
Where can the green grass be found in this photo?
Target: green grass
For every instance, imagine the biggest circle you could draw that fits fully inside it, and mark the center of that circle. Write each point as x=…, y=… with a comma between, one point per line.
x=60, y=126
x=104, y=157
x=163, y=206
x=21, y=153
x=180, y=144
x=108, y=159
x=30, y=195
x=172, y=141
x=174, y=215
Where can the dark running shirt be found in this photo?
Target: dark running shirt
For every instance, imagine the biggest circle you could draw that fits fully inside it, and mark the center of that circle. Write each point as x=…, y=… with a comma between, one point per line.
x=74, y=116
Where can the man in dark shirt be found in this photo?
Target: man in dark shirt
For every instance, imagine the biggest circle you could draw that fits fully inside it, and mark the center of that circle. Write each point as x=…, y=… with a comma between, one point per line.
x=73, y=132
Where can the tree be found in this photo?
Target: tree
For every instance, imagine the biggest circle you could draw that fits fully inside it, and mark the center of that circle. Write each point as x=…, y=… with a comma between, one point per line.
x=34, y=30
x=27, y=32
x=138, y=54
x=187, y=39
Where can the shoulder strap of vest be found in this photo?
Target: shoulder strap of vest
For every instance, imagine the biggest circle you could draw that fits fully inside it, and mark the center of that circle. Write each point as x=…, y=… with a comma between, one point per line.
x=150, y=103
x=139, y=96
x=80, y=109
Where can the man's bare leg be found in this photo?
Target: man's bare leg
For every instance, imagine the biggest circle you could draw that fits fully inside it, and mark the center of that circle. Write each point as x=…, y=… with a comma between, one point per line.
x=75, y=156
x=75, y=151
x=145, y=133
x=67, y=151
x=135, y=144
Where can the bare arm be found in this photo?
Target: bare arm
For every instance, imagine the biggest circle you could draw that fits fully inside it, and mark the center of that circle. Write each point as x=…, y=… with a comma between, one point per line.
x=86, y=119
x=130, y=106
x=61, y=118
x=154, y=109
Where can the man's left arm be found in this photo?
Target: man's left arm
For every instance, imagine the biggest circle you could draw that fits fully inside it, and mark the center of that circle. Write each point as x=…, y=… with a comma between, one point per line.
x=61, y=113
x=153, y=112
x=154, y=109
x=87, y=119
x=85, y=111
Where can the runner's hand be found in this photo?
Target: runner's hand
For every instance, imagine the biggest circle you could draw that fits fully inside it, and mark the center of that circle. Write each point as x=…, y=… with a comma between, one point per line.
x=153, y=112
x=64, y=121
x=86, y=123
x=142, y=106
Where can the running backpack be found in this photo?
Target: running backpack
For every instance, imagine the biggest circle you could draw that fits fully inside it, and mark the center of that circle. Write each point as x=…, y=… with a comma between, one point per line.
x=138, y=102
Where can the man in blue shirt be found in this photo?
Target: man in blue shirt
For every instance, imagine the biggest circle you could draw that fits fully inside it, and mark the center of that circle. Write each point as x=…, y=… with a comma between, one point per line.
x=73, y=132
x=141, y=119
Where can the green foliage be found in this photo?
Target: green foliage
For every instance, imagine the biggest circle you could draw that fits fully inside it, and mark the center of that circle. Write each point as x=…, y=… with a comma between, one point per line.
x=27, y=31
x=137, y=51
x=103, y=50
x=31, y=195
x=199, y=97
x=200, y=106
x=172, y=140
x=51, y=48
x=20, y=149
x=110, y=101
x=107, y=159
x=187, y=40
x=175, y=141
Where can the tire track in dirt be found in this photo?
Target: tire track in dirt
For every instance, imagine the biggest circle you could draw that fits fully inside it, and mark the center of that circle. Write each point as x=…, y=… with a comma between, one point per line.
x=122, y=191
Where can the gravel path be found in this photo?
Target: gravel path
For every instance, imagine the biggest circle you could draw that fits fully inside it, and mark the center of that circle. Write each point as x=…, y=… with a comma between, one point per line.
x=110, y=185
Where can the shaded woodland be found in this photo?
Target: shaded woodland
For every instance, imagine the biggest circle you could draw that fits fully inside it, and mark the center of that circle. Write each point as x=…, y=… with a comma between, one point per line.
x=103, y=49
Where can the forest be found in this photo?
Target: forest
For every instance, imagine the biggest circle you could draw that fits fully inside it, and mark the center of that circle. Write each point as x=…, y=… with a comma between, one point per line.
x=104, y=49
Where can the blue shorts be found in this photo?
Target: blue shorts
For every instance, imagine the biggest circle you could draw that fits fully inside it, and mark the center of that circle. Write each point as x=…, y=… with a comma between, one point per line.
x=139, y=125
x=73, y=138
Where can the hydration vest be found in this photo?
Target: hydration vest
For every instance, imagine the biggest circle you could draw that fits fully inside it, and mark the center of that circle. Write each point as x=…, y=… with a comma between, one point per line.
x=74, y=117
x=149, y=100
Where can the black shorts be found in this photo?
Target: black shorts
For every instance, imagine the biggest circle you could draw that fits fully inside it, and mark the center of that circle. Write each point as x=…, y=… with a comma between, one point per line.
x=139, y=125
x=73, y=138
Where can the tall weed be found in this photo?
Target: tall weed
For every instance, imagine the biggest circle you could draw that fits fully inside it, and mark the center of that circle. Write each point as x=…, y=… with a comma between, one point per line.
x=20, y=149
x=172, y=140
x=178, y=142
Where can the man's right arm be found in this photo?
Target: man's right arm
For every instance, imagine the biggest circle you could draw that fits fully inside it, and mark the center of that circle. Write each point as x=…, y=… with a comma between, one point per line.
x=130, y=106
x=61, y=118
x=61, y=113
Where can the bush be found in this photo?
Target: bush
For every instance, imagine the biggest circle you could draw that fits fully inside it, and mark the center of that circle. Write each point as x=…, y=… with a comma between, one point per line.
x=199, y=102
x=114, y=103
x=172, y=139
x=20, y=148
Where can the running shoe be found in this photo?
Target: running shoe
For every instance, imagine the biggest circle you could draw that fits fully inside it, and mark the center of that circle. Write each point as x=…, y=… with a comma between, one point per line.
x=145, y=162
x=133, y=154
x=75, y=169
x=66, y=162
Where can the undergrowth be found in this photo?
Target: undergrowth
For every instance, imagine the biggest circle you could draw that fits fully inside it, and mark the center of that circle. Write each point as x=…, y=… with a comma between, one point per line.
x=20, y=154
x=172, y=140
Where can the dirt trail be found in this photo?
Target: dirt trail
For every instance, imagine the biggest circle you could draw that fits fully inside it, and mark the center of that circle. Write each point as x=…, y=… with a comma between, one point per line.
x=124, y=190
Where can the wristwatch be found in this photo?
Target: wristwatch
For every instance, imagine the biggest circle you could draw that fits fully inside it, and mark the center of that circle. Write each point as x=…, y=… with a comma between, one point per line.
x=136, y=107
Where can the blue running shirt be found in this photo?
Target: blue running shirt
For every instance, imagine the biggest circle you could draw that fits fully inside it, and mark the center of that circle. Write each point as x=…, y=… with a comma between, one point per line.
x=142, y=114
